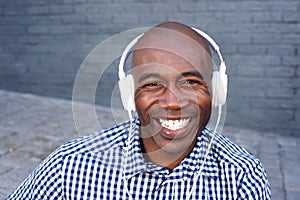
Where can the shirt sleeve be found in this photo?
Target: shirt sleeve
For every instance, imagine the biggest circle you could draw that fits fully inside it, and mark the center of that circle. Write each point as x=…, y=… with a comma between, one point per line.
x=44, y=182
x=255, y=185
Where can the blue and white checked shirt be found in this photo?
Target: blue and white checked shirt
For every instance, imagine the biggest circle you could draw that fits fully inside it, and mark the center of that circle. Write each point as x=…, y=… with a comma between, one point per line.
x=101, y=167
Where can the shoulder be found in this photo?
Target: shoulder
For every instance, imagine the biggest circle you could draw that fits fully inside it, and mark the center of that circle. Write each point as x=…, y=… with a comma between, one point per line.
x=102, y=141
x=226, y=151
x=47, y=179
x=250, y=175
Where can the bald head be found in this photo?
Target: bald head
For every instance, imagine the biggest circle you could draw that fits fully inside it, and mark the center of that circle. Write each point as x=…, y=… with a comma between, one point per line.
x=174, y=39
x=184, y=30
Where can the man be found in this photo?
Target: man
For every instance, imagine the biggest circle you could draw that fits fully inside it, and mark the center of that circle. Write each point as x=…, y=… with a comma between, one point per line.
x=164, y=153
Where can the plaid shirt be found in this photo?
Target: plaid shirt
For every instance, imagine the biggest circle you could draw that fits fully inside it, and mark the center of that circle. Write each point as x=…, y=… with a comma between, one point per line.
x=108, y=165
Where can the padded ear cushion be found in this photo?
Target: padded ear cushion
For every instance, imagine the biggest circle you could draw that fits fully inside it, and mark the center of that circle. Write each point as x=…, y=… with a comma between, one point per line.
x=219, y=88
x=126, y=86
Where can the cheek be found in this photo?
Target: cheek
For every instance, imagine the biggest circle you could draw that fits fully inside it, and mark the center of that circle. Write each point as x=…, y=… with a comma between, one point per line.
x=204, y=102
x=144, y=102
x=205, y=106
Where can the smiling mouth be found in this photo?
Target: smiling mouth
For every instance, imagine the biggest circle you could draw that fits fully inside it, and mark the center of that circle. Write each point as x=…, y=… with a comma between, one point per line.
x=174, y=124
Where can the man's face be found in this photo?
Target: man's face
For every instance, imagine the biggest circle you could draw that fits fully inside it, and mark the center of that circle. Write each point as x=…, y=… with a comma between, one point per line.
x=172, y=98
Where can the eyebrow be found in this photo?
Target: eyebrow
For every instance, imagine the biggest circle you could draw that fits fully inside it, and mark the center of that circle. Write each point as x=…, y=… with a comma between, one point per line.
x=149, y=75
x=184, y=74
x=192, y=73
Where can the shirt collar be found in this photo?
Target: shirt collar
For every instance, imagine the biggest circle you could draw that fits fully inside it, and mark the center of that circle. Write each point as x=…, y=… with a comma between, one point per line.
x=134, y=163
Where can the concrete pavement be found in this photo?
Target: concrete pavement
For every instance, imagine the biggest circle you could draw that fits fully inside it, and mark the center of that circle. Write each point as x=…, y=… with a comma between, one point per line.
x=33, y=126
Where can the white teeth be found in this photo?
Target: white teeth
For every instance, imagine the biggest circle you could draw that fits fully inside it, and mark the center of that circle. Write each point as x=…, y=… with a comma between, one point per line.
x=174, y=124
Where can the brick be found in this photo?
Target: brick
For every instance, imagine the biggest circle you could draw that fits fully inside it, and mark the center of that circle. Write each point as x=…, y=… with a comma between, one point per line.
x=265, y=38
x=291, y=60
x=281, y=6
x=12, y=30
x=292, y=194
x=282, y=93
x=281, y=50
x=148, y=1
x=98, y=18
x=278, y=104
x=270, y=28
x=16, y=20
x=192, y=6
x=222, y=6
x=60, y=29
x=290, y=38
x=298, y=71
x=249, y=6
x=8, y=58
x=235, y=38
x=113, y=9
x=87, y=8
x=125, y=19
x=208, y=17
x=37, y=29
x=280, y=71
x=231, y=17
x=16, y=49
x=14, y=10
x=295, y=84
x=267, y=5
x=267, y=17
x=76, y=1
x=37, y=10
x=74, y=19
x=60, y=48
x=251, y=60
x=140, y=8
x=61, y=9
x=291, y=17
x=150, y=19
x=214, y=27
x=37, y=49
x=186, y=18
x=227, y=49
x=252, y=49
x=247, y=87
x=253, y=71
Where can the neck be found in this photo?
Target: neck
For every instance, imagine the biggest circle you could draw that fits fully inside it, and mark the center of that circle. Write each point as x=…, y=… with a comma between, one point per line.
x=160, y=157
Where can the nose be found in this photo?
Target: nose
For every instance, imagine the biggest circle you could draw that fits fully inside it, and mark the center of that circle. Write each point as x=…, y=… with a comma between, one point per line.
x=173, y=99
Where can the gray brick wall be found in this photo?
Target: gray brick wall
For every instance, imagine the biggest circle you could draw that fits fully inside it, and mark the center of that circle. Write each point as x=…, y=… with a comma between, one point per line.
x=44, y=42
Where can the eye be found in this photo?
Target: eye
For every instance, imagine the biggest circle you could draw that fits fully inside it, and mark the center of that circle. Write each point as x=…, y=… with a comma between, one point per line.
x=194, y=84
x=152, y=85
x=191, y=82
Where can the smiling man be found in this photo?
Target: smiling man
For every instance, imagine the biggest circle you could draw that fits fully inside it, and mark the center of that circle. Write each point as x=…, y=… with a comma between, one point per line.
x=165, y=152
x=172, y=78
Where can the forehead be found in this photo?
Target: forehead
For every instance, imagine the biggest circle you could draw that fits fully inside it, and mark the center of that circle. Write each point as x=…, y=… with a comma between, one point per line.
x=188, y=46
x=172, y=49
x=167, y=64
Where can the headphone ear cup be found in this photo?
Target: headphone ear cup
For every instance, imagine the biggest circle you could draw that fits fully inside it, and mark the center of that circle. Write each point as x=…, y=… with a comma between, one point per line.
x=126, y=87
x=219, y=88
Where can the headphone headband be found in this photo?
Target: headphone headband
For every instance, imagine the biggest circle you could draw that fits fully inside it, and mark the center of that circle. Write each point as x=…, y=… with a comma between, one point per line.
x=124, y=55
x=209, y=40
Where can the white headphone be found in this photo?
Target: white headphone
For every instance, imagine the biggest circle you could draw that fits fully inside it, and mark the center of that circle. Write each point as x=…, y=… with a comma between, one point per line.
x=219, y=78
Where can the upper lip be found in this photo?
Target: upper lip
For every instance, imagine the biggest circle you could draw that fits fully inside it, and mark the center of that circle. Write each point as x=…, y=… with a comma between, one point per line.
x=172, y=117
